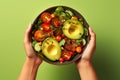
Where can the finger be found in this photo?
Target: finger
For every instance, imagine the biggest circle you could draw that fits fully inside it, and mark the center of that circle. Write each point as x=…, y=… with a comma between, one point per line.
x=91, y=45
x=92, y=37
x=27, y=33
x=92, y=34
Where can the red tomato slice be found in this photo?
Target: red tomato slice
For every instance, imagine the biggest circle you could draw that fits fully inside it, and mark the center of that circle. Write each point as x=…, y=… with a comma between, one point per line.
x=46, y=17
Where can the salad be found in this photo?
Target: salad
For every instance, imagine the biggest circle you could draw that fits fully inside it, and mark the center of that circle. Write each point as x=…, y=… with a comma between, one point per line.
x=59, y=34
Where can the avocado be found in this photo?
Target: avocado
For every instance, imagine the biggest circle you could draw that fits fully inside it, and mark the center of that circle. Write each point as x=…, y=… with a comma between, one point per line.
x=73, y=29
x=51, y=49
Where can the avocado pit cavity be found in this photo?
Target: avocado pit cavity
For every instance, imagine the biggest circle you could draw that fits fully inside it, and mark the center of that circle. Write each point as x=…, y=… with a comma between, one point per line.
x=52, y=50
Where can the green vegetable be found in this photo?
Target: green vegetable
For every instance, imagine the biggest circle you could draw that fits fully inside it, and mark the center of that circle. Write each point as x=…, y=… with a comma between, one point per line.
x=39, y=22
x=85, y=31
x=36, y=46
x=73, y=29
x=63, y=17
x=51, y=49
x=59, y=9
x=69, y=14
x=78, y=41
x=62, y=14
x=62, y=42
x=34, y=42
x=83, y=42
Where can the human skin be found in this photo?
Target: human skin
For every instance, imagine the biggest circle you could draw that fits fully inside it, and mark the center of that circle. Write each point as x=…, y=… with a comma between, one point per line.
x=32, y=62
x=84, y=65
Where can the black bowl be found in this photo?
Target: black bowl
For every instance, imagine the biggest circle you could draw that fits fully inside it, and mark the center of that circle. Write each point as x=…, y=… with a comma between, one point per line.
x=85, y=24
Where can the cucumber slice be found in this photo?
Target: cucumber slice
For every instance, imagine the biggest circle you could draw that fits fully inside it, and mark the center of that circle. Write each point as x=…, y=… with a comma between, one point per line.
x=37, y=47
x=83, y=42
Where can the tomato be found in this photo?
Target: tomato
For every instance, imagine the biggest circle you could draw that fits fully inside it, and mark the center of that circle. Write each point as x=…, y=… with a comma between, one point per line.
x=38, y=35
x=74, y=17
x=61, y=60
x=71, y=52
x=56, y=22
x=66, y=55
x=46, y=17
x=46, y=26
x=58, y=38
x=79, y=49
x=70, y=47
x=52, y=15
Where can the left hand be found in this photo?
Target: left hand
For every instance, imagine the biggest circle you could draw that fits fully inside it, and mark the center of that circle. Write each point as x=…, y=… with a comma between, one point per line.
x=89, y=51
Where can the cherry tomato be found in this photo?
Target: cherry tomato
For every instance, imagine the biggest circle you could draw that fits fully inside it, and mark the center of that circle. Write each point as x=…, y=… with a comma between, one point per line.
x=56, y=22
x=46, y=26
x=61, y=60
x=58, y=38
x=38, y=35
x=79, y=49
x=46, y=17
x=74, y=17
x=52, y=15
x=71, y=52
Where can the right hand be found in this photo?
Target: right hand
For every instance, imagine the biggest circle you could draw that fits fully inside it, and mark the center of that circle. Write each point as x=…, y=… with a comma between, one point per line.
x=30, y=53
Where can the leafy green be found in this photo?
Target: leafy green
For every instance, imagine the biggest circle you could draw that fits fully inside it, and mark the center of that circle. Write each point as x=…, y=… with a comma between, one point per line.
x=62, y=42
x=33, y=43
x=59, y=9
x=85, y=31
x=78, y=41
x=69, y=14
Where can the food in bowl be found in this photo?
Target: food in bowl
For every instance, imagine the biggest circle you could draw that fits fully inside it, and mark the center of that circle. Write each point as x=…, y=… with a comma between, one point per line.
x=59, y=35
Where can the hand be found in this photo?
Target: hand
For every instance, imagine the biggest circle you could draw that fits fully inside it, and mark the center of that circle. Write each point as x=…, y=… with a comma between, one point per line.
x=30, y=53
x=31, y=65
x=84, y=65
x=88, y=52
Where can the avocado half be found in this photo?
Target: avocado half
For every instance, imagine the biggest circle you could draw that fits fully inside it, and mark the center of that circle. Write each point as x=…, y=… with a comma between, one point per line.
x=51, y=49
x=73, y=29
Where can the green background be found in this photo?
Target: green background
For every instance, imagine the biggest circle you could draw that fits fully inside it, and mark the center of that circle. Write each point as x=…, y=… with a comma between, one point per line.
x=102, y=15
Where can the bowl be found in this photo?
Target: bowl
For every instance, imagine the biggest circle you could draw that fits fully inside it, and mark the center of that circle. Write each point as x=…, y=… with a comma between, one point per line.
x=51, y=28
